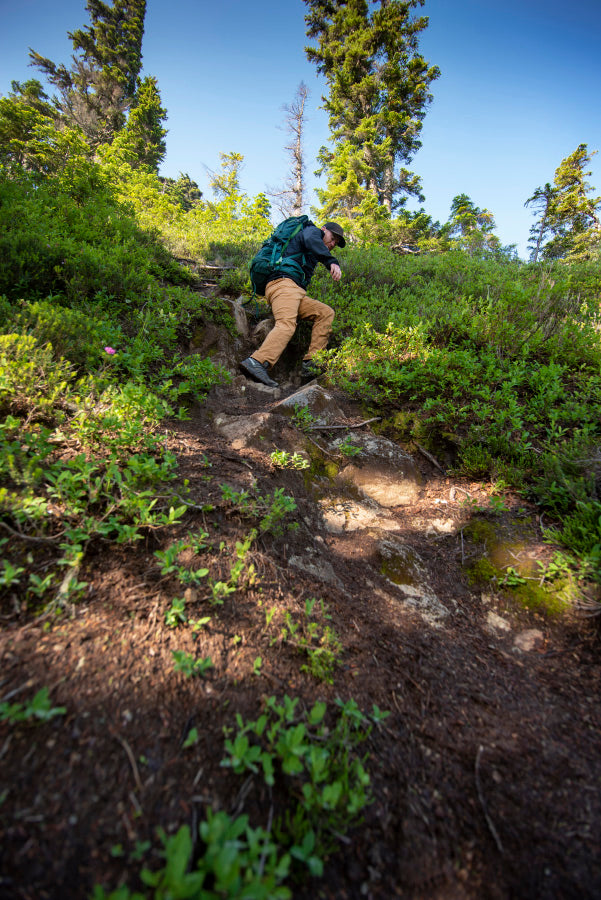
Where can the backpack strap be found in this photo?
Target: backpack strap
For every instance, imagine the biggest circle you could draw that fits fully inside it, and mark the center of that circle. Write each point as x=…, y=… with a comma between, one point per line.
x=289, y=238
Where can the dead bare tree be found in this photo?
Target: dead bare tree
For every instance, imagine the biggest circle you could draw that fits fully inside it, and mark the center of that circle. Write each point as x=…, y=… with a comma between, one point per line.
x=290, y=199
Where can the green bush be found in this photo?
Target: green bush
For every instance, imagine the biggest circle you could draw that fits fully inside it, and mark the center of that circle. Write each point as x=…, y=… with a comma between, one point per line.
x=73, y=334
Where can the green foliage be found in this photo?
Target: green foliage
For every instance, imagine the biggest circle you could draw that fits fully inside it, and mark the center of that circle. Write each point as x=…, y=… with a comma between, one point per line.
x=489, y=361
x=303, y=418
x=72, y=333
x=31, y=140
x=569, y=224
x=347, y=448
x=236, y=862
x=471, y=228
x=183, y=191
x=314, y=638
x=78, y=462
x=319, y=764
x=68, y=236
x=176, y=614
x=186, y=664
x=37, y=708
x=270, y=510
x=378, y=90
x=285, y=460
x=101, y=83
x=168, y=560
x=142, y=141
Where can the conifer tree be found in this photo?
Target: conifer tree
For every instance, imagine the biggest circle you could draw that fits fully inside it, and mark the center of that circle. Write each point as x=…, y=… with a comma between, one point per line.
x=24, y=111
x=183, y=190
x=378, y=92
x=542, y=199
x=29, y=138
x=226, y=184
x=471, y=228
x=573, y=214
x=99, y=88
x=143, y=137
x=32, y=94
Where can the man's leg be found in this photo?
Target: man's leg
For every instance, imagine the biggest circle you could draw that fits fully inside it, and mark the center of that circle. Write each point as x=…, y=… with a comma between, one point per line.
x=284, y=297
x=323, y=316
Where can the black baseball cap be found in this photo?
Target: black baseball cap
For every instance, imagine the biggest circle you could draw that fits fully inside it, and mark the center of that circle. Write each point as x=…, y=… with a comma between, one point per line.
x=335, y=228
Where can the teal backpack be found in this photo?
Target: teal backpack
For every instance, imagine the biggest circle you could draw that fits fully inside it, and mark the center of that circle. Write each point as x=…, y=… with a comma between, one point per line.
x=271, y=255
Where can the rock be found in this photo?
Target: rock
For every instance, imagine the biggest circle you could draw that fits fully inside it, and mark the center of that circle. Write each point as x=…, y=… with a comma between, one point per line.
x=496, y=623
x=440, y=526
x=529, y=640
x=318, y=401
x=383, y=471
x=240, y=316
x=312, y=564
x=345, y=515
x=217, y=345
x=243, y=431
x=403, y=568
x=260, y=331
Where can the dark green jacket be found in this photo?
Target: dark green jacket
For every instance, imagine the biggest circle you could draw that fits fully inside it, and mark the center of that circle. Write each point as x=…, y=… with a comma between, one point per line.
x=307, y=248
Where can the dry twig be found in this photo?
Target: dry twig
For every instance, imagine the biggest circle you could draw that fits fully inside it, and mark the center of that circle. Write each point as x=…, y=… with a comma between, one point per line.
x=489, y=821
x=431, y=458
x=319, y=447
x=132, y=760
x=348, y=427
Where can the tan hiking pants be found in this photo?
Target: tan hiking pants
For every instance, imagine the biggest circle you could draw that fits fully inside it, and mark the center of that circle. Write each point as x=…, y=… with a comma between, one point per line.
x=289, y=302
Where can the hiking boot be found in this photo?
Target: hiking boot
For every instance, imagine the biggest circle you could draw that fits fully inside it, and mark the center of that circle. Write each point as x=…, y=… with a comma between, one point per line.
x=310, y=370
x=252, y=368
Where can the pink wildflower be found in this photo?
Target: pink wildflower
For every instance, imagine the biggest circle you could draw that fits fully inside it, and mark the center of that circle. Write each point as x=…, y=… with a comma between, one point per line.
x=109, y=350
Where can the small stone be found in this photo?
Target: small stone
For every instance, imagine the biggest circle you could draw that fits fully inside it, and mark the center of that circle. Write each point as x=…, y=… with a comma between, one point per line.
x=440, y=526
x=529, y=640
x=495, y=622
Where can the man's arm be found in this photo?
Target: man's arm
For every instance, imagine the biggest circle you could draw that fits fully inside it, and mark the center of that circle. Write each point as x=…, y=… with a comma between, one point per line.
x=313, y=241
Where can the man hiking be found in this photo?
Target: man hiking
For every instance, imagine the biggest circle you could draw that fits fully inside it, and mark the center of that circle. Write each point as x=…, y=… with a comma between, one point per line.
x=286, y=294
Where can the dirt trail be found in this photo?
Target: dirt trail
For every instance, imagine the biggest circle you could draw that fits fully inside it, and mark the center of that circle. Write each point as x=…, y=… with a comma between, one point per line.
x=485, y=775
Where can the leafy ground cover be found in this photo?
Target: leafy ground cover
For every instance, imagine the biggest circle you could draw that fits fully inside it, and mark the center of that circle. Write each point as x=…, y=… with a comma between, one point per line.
x=423, y=761
x=183, y=713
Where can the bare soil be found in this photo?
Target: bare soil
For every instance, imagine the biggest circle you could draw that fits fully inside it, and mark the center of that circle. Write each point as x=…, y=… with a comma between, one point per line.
x=485, y=775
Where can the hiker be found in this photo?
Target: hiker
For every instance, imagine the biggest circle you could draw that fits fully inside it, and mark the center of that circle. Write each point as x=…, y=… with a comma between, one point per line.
x=286, y=294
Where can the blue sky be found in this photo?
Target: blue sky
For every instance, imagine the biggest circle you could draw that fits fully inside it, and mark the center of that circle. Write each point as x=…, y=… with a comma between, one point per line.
x=519, y=90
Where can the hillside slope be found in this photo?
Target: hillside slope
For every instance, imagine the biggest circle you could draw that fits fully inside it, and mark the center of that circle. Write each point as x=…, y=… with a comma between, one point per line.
x=485, y=773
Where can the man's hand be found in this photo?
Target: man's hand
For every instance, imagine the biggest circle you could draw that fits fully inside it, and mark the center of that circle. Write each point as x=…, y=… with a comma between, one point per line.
x=335, y=272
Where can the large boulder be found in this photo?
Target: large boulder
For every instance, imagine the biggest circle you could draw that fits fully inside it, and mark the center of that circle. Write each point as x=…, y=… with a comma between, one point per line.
x=381, y=470
x=404, y=569
x=317, y=401
x=261, y=430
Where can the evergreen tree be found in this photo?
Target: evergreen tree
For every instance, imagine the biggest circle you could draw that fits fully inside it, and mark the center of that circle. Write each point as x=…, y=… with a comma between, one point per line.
x=417, y=231
x=22, y=114
x=143, y=138
x=542, y=199
x=231, y=203
x=99, y=88
x=29, y=137
x=226, y=184
x=573, y=215
x=183, y=191
x=471, y=228
x=32, y=94
x=378, y=92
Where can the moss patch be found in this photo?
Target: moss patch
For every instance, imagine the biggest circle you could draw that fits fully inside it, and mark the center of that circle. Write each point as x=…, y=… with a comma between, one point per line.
x=482, y=572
